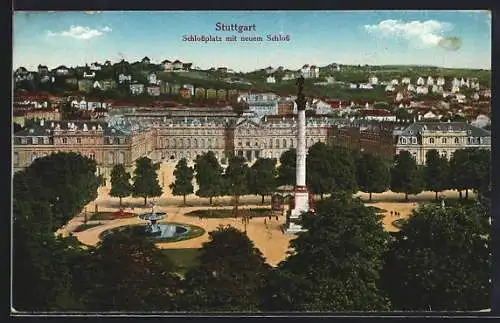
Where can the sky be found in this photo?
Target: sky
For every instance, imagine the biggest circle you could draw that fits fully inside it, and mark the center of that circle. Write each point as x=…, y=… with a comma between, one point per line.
x=455, y=39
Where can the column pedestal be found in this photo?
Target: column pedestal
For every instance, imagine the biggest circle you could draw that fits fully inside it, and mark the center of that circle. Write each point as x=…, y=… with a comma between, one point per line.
x=301, y=206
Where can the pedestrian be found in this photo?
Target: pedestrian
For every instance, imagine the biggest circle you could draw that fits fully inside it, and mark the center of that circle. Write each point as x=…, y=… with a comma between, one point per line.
x=265, y=222
x=276, y=218
x=269, y=217
x=391, y=213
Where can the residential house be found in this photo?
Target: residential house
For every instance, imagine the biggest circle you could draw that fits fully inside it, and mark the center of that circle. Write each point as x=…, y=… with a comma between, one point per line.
x=190, y=87
x=411, y=87
x=377, y=114
x=310, y=71
x=269, y=70
x=62, y=71
x=186, y=67
x=420, y=81
x=85, y=85
x=440, y=81
x=211, y=94
x=200, y=92
x=222, y=70
x=394, y=82
x=270, y=79
x=146, y=61
x=107, y=64
x=153, y=79
x=481, y=121
x=88, y=75
x=461, y=98
x=474, y=84
x=373, y=80
x=422, y=90
x=437, y=89
x=43, y=70
x=153, y=90
x=167, y=65
x=464, y=83
x=136, y=88
x=71, y=81
x=177, y=65
x=124, y=78
x=185, y=92
x=97, y=85
x=366, y=86
x=405, y=80
x=290, y=76
x=475, y=96
x=455, y=88
x=485, y=94
x=108, y=84
x=95, y=66
x=390, y=88
x=430, y=81
x=399, y=97
x=353, y=86
x=430, y=115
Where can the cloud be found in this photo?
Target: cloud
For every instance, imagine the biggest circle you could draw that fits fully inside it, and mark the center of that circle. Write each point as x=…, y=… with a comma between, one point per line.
x=80, y=32
x=429, y=32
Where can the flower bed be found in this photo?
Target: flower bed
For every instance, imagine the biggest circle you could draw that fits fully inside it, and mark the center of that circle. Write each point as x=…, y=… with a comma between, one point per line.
x=111, y=215
x=228, y=213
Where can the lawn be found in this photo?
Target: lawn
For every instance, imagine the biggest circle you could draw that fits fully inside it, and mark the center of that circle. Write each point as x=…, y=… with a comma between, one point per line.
x=228, y=213
x=109, y=216
x=183, y=259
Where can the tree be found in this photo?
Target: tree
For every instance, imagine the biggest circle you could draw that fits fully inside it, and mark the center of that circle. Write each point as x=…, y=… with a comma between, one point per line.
x=458, y=165
x=236, y=177
x=319, y=169
x=436, y=172
x=146, y=179
x=128, y=273
x=440, y=260
x=208, y=176
x=335, y=263
x=406, y=175
x=344, y=170
x=286, y=169
x=120, y=182
x=183, y=184
x=373, y=174
x=263, y=177
x=230, y=276
x=470, y=169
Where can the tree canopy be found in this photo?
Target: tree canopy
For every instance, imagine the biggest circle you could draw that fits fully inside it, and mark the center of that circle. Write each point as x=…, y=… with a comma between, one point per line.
x=120, y=182
x=372, y=173
x=146, y=179
x=286, y=169
x=406, y=175
x=263, y=177
x=208, y=176
x=440, y=260
x=436, y=172
x=183, y=184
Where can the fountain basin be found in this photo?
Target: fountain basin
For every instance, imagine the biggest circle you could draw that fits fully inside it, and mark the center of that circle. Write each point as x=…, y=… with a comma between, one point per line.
x=167, y=232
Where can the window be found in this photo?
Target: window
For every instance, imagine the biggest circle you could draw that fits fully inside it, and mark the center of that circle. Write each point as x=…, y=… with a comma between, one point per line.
x=188, y=143
x=277, y=143
x=195, y=143
x=414, y=140
x=111, y=157
x=403, y=141
x=284, y=143
x=46, y=140
x=29, y=140
x=121, y=158
x=270, y=143
x=23, y=141
x=34, y=140
x=78, y=140
x=456, y=140
x=92, y=155
x=291, y=143
x=65, y=140
x=248, y=143
x=444, y=154
x=431, y=140
x=443, y=140
x=16, y=159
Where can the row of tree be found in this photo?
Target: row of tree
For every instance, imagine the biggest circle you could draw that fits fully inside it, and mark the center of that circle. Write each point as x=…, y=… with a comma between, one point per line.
x=329, y=169
x=345, y=261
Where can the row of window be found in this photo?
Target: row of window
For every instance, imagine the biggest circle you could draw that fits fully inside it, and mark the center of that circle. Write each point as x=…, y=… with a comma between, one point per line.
x=188, y=143
x=444, y=141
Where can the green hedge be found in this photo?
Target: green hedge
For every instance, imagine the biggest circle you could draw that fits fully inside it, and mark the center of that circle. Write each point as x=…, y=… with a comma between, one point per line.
x=228, y=213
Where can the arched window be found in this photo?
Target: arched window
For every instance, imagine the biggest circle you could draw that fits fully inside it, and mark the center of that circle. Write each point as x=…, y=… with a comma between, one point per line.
x=111, y=157
x=291, y=143
x=195, y=143
x=167, y=142
x=188, y=143
x=121, y=157
x=284, y=143
x=456, y=140
x=92, y=155
x=443, y=140
x=270, y=143
x=431, y=140
x=277, y=143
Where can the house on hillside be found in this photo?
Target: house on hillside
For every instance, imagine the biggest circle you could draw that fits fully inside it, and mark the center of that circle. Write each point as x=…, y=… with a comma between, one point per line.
x=153, y=90
x=420, y=81
x=186, y=67
x=430, y=116
x=43, y=70
x=85, y=85
x=222, y=70
x=481, y=121
x=353, y=86
x=269, y=70
x=474, y=84
x=177, y=65
x=422, y=90
x=270, y=79
x=373, y=80
x=405, y=80
x=124, y=78
x=167, y=65
x=61, y=71
x=153, y=78
x=390, y=88
x=394, y=82
x=95, y=66
x=440, y=81
x=310, y=71
x=136, y=88
x=146, y=61
x=399, y=97
x=475, y=96
x=437, y=89
x=430, y=81
x=290, y=76
x=88, y=75
x=411, y=87
x=365, y=86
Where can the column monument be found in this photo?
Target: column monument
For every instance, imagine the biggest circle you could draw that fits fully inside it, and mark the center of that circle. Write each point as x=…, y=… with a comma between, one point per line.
x=301, y=195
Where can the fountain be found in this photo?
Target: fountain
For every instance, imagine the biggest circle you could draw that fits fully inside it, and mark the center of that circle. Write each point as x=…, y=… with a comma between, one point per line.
x=158, y=232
